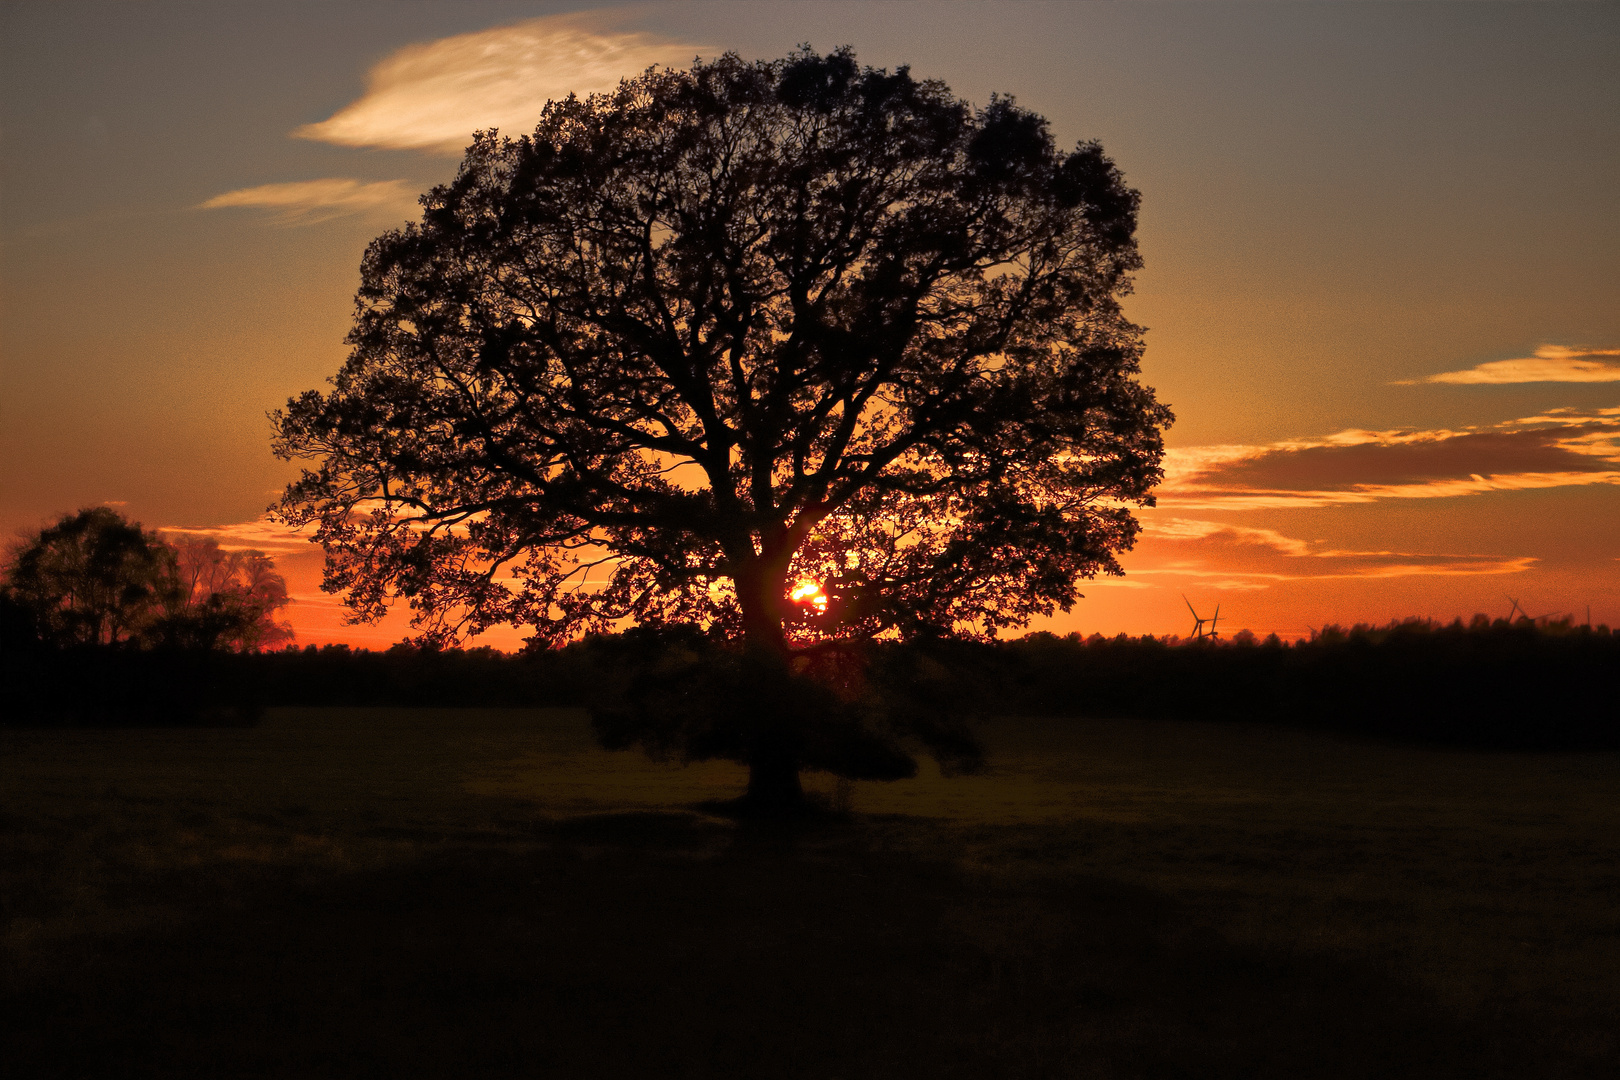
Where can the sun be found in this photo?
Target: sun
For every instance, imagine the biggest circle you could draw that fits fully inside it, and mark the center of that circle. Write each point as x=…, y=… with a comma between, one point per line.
x=809, y=592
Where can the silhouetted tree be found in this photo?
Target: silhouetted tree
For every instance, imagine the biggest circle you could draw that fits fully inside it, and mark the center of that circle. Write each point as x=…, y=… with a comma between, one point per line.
x=94, y=578
x=795, y=351
x=222, y=599
x=90, y=579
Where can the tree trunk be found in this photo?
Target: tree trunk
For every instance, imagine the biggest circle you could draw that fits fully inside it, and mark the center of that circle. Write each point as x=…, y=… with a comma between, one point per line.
x=773, y=774
x=773, y=752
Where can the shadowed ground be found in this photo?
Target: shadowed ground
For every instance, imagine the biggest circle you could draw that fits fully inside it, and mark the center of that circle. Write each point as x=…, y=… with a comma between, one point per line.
x=483, y=893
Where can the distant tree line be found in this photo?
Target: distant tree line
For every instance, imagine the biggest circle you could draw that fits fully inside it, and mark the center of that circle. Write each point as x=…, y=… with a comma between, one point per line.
x=1487, y=684
x=1494, y=684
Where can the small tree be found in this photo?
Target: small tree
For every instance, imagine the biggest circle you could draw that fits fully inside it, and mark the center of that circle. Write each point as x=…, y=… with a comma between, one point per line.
x=94, y=578
x=90, y=579
x=223, y=599
x=802, y=353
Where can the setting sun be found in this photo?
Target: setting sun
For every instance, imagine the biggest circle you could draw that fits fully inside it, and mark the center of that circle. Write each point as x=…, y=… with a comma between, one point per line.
x=809, y=592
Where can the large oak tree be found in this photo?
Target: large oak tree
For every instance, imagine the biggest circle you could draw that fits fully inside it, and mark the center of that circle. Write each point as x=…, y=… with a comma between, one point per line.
x=798, y=351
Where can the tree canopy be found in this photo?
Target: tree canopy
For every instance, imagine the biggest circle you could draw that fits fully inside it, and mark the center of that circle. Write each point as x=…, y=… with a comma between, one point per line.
x=795, y=350
x=92, y=578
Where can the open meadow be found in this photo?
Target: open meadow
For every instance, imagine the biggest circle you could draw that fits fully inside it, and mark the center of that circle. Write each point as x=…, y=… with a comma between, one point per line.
x=398, y=892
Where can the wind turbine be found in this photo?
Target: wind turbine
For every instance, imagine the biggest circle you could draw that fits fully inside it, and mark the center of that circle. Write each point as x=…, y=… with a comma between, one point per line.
x=1198, y=622
x=1533, y=620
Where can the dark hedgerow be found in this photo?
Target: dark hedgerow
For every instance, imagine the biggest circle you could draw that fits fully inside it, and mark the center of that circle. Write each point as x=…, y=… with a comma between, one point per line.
x=1489, y=684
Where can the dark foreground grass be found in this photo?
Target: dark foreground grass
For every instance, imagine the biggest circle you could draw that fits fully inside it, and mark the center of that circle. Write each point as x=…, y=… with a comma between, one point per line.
x=482, y=893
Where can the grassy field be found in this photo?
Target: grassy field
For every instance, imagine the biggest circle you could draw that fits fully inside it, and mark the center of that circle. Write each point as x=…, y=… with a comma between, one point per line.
x=484, y=893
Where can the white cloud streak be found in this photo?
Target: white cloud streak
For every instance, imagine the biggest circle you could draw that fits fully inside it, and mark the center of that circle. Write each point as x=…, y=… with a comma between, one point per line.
x=1371, y=493
x=1221, y=555
x=1181, y=529
x=434, y=95
x=307, y=202
x=265, y=535
x=1551, y=363
x=1397, y=567
x=1583, y=448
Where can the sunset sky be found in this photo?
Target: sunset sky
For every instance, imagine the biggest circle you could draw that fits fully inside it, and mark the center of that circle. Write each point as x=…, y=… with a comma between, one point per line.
x=1382, y=247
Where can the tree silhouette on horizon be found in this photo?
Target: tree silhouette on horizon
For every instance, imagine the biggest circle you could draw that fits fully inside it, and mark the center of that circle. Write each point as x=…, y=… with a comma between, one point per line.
x=89, y=578
x=795, y=351
x=224, y=598
x=94, y=578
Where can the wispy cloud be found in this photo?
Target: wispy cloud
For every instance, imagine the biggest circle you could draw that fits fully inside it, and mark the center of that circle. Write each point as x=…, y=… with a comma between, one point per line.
x=1564, y=448
x=1185, y=529
x=264, y=535
x=433, y=96
x=1551, y=363
x=1221, y=555
x=307, y=202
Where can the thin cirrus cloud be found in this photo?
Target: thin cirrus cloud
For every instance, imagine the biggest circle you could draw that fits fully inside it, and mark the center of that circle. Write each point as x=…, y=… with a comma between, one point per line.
x=1226, y=556
x=1551, y=363
x=270, y=537
x=1564, y=448
x=433, y=96
x=307, y=202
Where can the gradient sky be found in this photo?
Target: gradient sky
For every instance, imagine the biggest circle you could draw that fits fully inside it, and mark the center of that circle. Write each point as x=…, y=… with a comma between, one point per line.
x=1382, y=244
